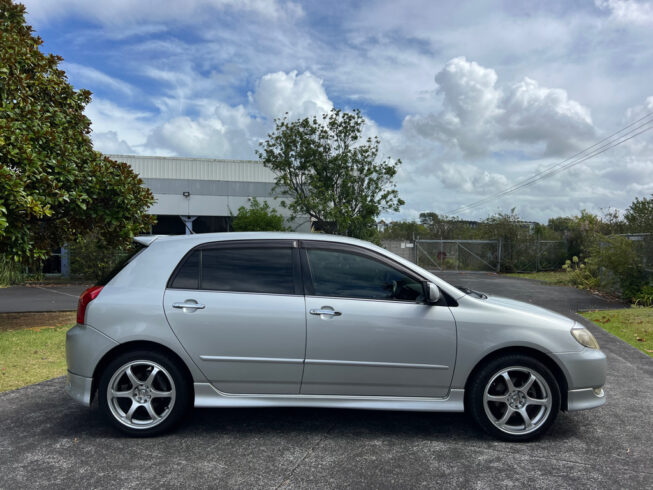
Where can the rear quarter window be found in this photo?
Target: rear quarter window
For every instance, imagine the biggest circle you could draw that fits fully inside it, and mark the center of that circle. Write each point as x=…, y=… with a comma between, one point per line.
x=134, y=252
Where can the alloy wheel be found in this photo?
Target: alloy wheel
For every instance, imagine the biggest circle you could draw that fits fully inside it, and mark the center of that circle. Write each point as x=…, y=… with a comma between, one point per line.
x=517, y=400
x=141, y=394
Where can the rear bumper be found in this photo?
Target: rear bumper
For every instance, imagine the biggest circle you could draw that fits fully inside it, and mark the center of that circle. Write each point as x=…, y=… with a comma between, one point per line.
x=79, y=388
x=585, y=399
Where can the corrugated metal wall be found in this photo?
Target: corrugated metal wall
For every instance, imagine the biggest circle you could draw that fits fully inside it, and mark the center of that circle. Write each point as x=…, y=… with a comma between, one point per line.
x=197, y=168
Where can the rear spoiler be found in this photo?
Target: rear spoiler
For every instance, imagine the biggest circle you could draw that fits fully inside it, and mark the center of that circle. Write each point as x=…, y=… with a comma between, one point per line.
x=146, y=240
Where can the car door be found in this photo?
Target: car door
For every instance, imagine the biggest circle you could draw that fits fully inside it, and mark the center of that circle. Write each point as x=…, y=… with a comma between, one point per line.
x=369, y=332
x=238, y=309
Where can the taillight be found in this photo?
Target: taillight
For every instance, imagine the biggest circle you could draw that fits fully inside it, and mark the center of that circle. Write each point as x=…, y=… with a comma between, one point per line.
x=86, y=297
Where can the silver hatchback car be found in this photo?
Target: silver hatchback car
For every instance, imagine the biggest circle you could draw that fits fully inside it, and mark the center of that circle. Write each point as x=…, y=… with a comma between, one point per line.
x=306, y=320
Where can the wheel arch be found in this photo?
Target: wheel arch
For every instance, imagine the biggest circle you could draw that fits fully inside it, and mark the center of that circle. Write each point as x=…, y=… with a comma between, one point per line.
x=544, y=358
x=139, y=345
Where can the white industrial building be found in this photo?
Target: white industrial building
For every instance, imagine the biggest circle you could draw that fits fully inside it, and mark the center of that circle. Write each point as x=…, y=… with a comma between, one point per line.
x=199, y=195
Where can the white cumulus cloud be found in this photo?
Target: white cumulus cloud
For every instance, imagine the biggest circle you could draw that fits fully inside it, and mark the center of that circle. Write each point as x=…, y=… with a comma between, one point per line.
x=628, y=11
x=298, y=95
x=479, y=116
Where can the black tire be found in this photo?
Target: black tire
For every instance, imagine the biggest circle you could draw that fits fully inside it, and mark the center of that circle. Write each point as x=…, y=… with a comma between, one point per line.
x=149, y=400
x=540, y=401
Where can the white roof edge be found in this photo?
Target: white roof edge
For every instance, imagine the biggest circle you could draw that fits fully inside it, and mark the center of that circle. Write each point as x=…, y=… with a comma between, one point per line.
x=117, y=156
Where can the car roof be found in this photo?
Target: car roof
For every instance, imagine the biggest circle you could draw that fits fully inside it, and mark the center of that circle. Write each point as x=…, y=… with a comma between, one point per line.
x=249, y=235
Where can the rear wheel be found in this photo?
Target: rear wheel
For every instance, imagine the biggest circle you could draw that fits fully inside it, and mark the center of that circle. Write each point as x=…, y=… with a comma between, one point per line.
x=143, y=393
x=514, y=397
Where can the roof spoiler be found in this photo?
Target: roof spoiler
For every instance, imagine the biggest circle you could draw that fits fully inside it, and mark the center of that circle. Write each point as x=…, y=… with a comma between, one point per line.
x=146, y=240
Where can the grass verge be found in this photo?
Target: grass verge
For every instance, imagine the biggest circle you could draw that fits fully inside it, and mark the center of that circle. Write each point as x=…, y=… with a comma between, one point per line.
x=634, y=325
x=557, y=278
x=31, y=355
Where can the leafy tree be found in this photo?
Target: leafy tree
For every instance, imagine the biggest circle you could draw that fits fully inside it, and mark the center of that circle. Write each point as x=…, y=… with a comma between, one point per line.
x=579, y=231
x=639, y=215
x=404, y=230
x=444, y=227
x=54, y=187
x=258, y=217
x=331, y=173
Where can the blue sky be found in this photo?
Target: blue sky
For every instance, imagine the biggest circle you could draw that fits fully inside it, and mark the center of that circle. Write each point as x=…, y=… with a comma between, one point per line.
x=472, y=96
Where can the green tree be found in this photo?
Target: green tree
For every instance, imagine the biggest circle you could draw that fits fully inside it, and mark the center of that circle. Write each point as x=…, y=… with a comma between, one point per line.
x=639, y=216
x=258, y=217
x=54, y=187
x=404, y=230
x=579, y=231
x=331, y=173
x=444, y=227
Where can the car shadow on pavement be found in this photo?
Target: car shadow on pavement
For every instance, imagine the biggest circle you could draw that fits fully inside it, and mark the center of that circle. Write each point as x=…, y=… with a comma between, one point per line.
x=248, y=423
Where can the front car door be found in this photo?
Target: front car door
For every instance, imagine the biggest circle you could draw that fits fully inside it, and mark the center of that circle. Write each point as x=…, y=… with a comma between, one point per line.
x=369, y=332
x=238, y=309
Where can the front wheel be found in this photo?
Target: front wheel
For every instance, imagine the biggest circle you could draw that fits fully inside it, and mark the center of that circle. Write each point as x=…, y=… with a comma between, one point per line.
x=143, y=393
x=514, y=397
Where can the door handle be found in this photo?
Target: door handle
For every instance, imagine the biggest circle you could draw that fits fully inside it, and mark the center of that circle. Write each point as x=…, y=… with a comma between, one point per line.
x=322, y=311
x=195, y=306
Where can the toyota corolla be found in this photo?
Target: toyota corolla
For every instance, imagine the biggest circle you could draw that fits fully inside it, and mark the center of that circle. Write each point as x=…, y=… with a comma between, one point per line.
x=311, y=320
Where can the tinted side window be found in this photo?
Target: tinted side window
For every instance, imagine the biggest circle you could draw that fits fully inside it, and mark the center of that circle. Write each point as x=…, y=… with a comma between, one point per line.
x=254, y=270
x=188, y=275
x=348, y=275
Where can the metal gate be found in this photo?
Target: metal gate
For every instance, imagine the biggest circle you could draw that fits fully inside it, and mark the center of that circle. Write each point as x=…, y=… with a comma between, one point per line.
x=463, y=255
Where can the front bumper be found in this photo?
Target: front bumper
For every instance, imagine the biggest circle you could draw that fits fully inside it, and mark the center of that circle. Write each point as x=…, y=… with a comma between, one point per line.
x=586, y=372
x=79, y=388
x=585, y=399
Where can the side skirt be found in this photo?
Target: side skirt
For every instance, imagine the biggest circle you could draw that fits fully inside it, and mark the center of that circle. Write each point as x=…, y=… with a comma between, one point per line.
x=208, y=396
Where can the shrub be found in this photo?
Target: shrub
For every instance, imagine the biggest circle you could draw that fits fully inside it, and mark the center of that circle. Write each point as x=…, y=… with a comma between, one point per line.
x=582, y=275
x=259, y=217
x=11, y=272
x=619, y=264
x=644, y=297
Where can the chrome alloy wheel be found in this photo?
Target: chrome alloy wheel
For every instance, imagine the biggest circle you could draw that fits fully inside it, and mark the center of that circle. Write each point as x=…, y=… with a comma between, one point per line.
x=517, y=400
x=141, y=394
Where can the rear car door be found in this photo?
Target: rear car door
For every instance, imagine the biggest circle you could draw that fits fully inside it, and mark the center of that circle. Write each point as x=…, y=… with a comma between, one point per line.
x=238, y=309
x=369, y=331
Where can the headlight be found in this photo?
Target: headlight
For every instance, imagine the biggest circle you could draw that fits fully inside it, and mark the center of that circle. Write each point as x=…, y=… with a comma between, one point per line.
x=584, y=337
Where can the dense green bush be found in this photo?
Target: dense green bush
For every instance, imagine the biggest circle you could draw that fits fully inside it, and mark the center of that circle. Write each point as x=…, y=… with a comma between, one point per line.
x=644, y=297
x=258, y=217
x=11, y=272
x=619, y=264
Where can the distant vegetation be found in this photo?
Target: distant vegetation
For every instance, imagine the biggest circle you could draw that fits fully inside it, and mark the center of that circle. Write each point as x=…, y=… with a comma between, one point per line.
x=596, y=254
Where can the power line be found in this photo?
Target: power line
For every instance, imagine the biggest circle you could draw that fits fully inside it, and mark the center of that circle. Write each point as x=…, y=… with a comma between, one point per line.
x=570, y=161
x=555, y=169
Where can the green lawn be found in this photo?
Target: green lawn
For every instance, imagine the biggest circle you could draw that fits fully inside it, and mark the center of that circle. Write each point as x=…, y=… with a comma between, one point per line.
x=558, y=278
x=31, y=355
x=634, y=325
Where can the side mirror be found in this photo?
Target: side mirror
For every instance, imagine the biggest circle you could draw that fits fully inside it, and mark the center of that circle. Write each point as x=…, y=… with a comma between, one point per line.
x=432, y=293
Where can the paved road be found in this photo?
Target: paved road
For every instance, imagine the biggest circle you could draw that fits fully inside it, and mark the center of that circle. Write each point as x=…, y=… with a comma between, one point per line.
x=48, y=441
x=560, y=298
x=16, y=299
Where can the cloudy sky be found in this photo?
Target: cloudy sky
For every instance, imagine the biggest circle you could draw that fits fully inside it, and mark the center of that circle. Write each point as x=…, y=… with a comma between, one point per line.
x=472, y=96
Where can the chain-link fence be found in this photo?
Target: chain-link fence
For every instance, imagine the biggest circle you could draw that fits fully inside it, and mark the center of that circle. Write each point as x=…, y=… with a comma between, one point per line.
x=643, y=246
x=468, y=255
x=482, y=255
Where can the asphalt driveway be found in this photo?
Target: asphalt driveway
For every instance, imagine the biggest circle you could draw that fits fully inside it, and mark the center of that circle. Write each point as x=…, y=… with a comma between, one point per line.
x=46, y=440
x=15, y=299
